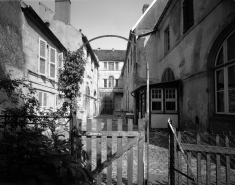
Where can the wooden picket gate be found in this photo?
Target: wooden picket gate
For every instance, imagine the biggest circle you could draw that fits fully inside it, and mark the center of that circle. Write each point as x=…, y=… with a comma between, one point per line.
x=134, y=138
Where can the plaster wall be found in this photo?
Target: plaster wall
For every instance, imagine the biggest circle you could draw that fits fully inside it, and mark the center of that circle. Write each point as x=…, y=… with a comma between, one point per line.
x=188, y=53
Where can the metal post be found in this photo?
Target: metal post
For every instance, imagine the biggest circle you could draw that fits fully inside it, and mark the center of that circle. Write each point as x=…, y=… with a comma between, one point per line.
x=172, y=157
x=147, y=122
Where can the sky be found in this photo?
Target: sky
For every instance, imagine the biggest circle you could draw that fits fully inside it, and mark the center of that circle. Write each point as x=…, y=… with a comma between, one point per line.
x=101, y=17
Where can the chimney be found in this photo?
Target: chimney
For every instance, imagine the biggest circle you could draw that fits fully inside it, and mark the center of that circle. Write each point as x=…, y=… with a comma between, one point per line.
x=145, y=6
x=62, y=10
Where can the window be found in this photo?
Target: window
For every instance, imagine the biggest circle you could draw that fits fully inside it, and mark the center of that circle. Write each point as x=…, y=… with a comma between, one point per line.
x=42, y=57
x=167, y=39
x=105, y=82
x=60, y=62
x=52, y=63
x=108, y=103
x=170, y=100
x=157, y=100
x=116, y=83
x=42, y=99
x=188, y=18
x=116, y=65
x=164, y=100
x=225, y=77
x=111, y=81
x=111, y=66
x=168, y=75
x=105, y=65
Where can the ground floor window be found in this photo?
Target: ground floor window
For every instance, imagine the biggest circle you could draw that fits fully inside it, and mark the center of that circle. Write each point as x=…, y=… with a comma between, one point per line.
x=164, y=100
x=108, y=103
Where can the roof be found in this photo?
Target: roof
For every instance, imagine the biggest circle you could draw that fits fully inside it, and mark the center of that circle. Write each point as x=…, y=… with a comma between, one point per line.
x=33, y=16
x=174, y=82
x=110, y=55
x=89, y=49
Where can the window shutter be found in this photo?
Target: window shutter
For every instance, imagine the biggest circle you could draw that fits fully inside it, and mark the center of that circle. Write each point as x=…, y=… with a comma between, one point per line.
x=40, y=98
x=45, y=100
x=42, y=56
x=60, y=62
x=52, y=65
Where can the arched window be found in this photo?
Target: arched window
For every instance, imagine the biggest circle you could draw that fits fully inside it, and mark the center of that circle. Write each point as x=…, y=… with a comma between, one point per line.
x=168, y=75
x=111, y=81
x=225, y=77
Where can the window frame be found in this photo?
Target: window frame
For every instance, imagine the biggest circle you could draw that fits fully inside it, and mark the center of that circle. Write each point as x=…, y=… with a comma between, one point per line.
x=39, y=57
x=111, y=64
x=170, y=100
x=43, y=96
x=188, y=13
x=117, y=66
x=111, y=82
x=60, y=67
x=105, y=66
x=167, y=39
x=157, y=100
x=52, y=63
x=226, y=64
x=105, y=83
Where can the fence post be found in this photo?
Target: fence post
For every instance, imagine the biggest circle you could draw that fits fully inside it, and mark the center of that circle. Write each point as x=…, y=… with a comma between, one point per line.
x=172, y=156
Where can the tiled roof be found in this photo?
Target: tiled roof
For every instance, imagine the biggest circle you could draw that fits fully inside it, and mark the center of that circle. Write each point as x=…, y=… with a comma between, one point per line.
x=110, y=55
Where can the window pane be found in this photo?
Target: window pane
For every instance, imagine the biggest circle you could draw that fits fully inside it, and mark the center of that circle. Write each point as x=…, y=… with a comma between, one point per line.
x=116, y=63
x=170, y=106
x=230, y=45
x=157, y=106
x=52, y=55
x=45, y=99
x=105, y=65
x=220, y=59
x=105, y=82
x=220, y=79
x=231, y=77
x=220, y=101
x=111, y=66
x=42, y=66
x=52, y=70
x=231, y=96
x=40, y=99
x=42, y=48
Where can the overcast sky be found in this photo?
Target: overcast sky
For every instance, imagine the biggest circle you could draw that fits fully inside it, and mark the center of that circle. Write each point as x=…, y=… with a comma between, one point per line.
x=102, y=17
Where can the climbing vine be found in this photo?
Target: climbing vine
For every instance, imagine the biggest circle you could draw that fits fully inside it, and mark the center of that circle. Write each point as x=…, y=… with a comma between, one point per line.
x=32, y=147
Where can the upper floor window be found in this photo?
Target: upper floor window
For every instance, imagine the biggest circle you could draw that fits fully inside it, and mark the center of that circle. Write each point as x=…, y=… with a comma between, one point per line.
x=188, y=18
x=157, y=100
x=168, y=75
x=42, y=99
x=52, y=63
x=105, y=65
x=42, y=56
x=111, y=66
x=167, y=39
x=116, y=84
x=105, y=82
x=47, y=64
x=225, y=77
x=116, y=66
x=111, y=81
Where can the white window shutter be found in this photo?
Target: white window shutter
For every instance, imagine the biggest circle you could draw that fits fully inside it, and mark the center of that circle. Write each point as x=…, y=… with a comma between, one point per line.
x=52, y=63
x=42, y=57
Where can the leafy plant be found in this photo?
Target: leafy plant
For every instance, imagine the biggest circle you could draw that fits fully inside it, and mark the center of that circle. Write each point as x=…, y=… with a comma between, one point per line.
x=26, y=154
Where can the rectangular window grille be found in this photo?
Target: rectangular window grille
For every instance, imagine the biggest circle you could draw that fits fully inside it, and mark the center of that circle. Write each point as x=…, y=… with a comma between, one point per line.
x=111, y=66
x=170, y=100
x=157, y=100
